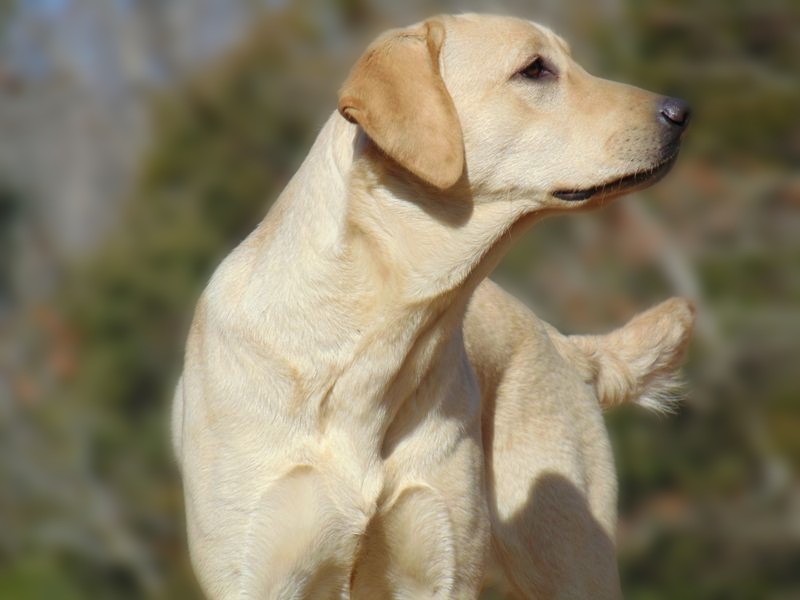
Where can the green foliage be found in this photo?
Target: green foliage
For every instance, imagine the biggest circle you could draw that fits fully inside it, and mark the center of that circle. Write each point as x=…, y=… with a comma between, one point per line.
x=10, y=206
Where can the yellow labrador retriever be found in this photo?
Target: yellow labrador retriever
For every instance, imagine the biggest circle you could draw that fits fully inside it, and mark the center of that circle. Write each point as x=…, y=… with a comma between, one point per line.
x=328, y=421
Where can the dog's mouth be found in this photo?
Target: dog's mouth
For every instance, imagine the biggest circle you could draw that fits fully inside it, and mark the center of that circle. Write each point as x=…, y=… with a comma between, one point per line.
x=624, y=184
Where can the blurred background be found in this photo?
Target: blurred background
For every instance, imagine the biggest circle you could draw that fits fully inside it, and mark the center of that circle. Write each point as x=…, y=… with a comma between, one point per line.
x=140, y=140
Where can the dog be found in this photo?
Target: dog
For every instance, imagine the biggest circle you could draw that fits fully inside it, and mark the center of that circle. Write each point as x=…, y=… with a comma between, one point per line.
x=328, y=421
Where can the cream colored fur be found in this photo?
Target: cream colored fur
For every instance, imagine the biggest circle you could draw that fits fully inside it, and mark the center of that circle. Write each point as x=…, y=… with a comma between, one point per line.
x=551, y=481
x=328, y=421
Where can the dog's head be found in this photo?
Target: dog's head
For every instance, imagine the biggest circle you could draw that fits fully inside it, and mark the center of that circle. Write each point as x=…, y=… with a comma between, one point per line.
x=499, y=104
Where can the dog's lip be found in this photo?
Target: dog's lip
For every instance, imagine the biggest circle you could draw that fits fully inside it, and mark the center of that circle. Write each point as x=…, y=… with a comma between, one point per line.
x=626, y=182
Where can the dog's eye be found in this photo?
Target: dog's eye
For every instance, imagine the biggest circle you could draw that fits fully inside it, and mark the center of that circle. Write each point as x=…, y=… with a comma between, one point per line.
x=536, y=70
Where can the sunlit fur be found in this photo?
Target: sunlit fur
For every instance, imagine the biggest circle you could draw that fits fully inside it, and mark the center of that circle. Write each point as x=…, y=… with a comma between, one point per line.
x=328, y=419
x=551, y=483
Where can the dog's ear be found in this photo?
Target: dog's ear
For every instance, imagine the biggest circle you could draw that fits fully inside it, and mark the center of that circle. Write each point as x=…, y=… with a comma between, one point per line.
x=396, y=94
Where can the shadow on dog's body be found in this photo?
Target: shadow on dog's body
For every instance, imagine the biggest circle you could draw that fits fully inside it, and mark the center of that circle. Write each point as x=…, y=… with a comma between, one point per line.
x=551, y=482
x=328, y=420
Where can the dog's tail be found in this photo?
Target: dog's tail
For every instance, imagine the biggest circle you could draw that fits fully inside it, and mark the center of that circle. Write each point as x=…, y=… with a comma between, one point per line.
x=639, y=361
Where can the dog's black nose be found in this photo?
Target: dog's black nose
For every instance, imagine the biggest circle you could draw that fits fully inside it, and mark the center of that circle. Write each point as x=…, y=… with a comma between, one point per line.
x=675, y=112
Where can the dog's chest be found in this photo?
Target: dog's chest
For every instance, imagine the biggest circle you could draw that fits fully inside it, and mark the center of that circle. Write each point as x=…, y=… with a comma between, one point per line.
x=437, y=416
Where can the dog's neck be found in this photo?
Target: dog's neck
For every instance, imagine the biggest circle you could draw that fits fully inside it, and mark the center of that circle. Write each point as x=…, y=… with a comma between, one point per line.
x=434, y=244
x=371, y=268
